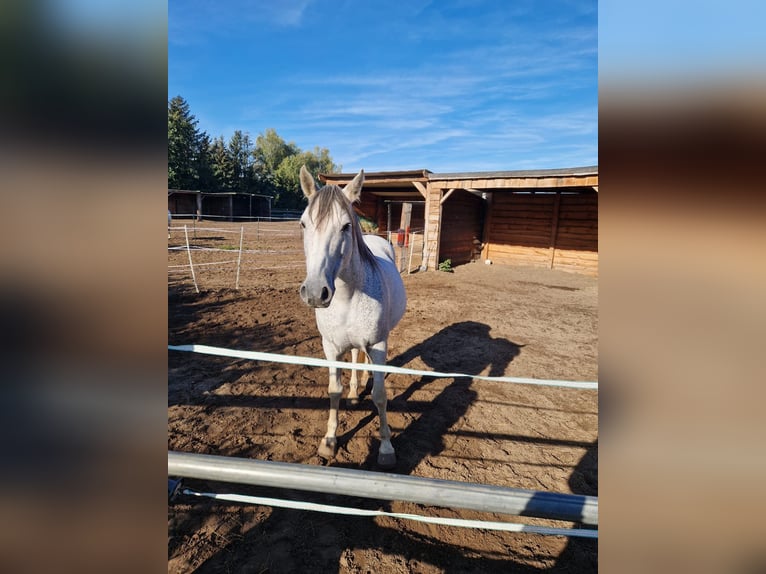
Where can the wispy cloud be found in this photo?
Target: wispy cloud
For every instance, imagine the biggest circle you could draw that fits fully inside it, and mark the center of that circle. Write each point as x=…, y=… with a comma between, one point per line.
x=284, y=12
x=433, y=94
x=199, y=21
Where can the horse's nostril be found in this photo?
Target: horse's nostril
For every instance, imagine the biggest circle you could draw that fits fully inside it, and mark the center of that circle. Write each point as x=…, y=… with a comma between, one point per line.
x=325, y=293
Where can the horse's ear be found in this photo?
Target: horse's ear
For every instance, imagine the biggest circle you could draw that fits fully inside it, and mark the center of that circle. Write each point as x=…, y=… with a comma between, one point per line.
x=308, y=185
x=353, y=190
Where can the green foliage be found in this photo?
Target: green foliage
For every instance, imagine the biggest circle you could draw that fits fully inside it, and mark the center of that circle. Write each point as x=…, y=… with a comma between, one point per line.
x=271, y=150
x=446, y=265
x=182, y=145
x=270, y=166
x=241, y=155
x=287, y=175
x=205, y=177
x=222, y=165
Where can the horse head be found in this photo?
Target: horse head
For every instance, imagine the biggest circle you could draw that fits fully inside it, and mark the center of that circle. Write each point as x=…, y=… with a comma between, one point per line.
x=331, y=235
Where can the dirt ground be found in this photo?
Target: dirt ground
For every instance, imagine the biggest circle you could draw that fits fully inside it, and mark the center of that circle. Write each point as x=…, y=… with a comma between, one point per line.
x=494, y=320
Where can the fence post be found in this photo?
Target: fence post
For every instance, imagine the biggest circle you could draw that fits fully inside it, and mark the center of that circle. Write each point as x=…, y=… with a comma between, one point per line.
x=239, y=259
x=191, y=265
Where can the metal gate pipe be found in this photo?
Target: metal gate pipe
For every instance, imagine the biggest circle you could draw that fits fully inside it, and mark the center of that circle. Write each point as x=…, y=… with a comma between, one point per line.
x=386, y=486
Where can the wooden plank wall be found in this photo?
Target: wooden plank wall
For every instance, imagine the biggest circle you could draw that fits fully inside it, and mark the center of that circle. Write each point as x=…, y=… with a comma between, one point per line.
x=520, y=229
x=523, y=229
x=577, y=235
x=462, y=215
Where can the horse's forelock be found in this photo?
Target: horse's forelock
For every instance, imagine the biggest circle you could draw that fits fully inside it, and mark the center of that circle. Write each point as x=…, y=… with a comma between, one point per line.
x=322, y=202
x=320, y=210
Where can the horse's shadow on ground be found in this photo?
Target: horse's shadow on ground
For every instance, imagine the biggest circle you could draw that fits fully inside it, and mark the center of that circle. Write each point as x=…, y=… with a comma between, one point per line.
x=466, y=347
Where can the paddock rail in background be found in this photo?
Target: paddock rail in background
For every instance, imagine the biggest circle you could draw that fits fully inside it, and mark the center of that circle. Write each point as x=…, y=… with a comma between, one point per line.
x=386, y=486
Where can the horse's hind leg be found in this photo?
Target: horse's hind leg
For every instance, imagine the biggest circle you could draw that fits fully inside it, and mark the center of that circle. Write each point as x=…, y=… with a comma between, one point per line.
x=329, y=443
x=353, y=392
x=386, y=454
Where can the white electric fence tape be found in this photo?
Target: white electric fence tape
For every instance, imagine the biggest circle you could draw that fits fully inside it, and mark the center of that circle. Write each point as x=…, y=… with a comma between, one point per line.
x=316, y=362
x=459, y=522
x=202, y=264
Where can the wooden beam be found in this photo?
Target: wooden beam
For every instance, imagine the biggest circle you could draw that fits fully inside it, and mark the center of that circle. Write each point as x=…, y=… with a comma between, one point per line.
x=519, y=182
x=421, y=188
x=446, y=195
x=375, y=182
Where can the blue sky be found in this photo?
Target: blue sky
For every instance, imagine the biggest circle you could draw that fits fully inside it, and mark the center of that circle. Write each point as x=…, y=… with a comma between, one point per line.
x=448, y=85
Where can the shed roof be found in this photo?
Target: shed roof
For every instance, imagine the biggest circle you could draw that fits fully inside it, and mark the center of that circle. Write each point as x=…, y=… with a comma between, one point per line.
x=560, y=172
x=372, y=178
x=215, y=193
x=184, y=191
x=398, y=182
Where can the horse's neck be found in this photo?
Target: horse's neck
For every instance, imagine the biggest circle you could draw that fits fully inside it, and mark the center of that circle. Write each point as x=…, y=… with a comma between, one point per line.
x=353, y=275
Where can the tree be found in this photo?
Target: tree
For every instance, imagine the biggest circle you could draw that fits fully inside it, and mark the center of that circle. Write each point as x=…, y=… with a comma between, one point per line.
x=222, y=165
x=241, y=155
x=182, y=145
x=270, y=150
x=320, y=160
x=270, y=167
x=287, y=178
x=206, y=180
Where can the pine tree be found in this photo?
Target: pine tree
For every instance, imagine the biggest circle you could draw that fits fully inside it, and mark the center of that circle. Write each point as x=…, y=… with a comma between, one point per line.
x=182, y=145
x=241, y=154
x=206, y=180
x=222, y=165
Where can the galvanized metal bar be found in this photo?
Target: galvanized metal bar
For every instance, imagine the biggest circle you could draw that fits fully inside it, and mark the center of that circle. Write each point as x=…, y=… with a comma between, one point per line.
x=386, y=486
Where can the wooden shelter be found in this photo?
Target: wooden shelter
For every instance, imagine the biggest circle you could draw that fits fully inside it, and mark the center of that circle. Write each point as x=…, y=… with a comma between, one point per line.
x=227, y=205
x=532, y=217
x=184, y=203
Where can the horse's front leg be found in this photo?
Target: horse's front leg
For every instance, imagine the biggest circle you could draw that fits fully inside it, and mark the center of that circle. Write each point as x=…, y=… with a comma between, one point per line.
x=386, y=454
x=353, y=391
x=329, y=443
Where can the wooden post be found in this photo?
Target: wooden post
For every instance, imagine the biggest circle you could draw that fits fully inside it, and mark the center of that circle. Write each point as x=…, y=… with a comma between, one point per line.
x=487, y=225
x=555, y=225
x=239, y=258
x=423, y=190
x=433, y=227
x=191, y=265
x=404, y=225
x=424, y=256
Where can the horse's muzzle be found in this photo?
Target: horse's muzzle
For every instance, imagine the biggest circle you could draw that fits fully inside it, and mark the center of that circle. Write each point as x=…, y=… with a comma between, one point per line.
x=316, y=295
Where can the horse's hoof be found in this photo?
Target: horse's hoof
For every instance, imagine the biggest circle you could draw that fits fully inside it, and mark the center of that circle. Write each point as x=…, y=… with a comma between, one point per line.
x=327, y=448
x=386, y=460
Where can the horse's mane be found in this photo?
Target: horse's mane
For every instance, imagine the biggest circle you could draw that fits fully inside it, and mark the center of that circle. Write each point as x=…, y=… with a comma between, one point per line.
x=320, y=209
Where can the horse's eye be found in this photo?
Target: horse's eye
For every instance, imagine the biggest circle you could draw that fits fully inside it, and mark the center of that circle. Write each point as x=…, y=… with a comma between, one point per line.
x=346, y=227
